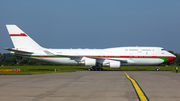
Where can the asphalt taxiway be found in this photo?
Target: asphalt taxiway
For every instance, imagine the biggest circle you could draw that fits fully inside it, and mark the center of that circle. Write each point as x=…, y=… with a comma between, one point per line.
x=90, y=85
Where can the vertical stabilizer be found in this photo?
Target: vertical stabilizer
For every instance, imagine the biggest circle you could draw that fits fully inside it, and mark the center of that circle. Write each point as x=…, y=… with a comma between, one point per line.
x=20, y=39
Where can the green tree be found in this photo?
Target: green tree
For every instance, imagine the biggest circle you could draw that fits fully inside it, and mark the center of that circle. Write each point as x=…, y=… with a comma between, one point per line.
x=10, y=61
x=177, y=61
x=24, y=61
x=1, y=59
x=33, y=62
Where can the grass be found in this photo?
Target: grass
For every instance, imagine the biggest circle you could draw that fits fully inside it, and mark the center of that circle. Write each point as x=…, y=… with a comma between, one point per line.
x=60, y=69
x=42, y=69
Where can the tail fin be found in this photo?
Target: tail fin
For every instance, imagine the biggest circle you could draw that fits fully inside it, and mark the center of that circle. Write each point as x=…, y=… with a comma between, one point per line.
x=20, y=39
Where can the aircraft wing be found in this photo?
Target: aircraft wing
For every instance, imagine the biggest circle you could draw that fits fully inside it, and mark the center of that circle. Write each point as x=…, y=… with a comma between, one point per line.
x=80, y=57
x=18, y=51
x=125, y=61
x=72, y=57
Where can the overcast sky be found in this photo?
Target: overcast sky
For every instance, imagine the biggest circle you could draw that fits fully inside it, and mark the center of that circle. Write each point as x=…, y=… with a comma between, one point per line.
x=93, y=23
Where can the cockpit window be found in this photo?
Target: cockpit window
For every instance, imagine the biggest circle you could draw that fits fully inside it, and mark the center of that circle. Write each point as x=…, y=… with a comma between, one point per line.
x=162, y=49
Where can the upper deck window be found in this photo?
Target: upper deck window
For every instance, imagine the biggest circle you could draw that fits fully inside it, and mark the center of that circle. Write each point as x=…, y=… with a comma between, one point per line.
x=133, y=49
x=162, y=49
x=146, y=49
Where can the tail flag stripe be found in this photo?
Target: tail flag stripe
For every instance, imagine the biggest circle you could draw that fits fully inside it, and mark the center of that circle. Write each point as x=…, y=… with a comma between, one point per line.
x=21, y=34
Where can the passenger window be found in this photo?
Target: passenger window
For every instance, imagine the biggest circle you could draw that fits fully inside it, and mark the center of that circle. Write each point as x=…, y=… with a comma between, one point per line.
x=133, y=49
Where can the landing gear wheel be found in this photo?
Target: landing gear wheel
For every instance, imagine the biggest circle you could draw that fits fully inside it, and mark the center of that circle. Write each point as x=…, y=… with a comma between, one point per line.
x=98, y=67
x=157, y=68
x=91, y=68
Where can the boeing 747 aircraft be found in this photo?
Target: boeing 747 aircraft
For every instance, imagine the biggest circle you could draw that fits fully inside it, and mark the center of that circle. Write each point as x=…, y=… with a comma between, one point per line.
x=95, y=58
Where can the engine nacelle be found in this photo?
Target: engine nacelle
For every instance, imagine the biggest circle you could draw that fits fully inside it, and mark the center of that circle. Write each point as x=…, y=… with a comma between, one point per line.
x=88, y=62
x=115, y=64
x=112, y=64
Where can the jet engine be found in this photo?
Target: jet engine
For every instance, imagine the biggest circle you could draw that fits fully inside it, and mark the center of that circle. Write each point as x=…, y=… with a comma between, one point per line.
x=115, y=64
x=88, y=62
x=112, y=64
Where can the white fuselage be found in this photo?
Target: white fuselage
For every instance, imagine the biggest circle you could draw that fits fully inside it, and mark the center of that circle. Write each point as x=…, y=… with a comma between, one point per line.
x=133, y=55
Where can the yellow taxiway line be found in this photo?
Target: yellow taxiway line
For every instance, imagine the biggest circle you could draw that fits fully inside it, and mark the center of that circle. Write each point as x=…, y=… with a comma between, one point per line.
x=139, y=92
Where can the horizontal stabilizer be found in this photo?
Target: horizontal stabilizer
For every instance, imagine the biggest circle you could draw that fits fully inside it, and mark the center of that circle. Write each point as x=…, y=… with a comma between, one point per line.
x=18, y=51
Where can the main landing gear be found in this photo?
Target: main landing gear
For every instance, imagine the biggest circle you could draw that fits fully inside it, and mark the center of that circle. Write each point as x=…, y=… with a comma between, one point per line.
x=98, y=67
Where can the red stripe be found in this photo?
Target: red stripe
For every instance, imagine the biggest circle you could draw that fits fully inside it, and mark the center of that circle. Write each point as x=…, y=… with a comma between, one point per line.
x=14, y=34
x=124, y=56
x=23, y=34
x=44, y=55
x=170, y=59
x=37, y=55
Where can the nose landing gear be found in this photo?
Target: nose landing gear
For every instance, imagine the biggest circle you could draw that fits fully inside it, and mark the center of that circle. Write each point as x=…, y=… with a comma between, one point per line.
x=157, y=68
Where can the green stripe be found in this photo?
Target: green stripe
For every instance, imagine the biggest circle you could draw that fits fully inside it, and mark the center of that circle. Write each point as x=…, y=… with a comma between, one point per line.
x=163, y=58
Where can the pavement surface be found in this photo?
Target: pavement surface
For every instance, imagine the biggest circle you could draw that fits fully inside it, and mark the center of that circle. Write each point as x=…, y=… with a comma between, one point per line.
x=158, y=86
x=90, y=86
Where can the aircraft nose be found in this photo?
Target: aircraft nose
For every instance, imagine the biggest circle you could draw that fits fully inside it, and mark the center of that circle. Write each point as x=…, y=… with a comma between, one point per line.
x=171, y=58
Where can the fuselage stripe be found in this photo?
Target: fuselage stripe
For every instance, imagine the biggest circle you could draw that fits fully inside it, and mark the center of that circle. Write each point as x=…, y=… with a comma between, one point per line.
x=21, y=34
x=165, y=58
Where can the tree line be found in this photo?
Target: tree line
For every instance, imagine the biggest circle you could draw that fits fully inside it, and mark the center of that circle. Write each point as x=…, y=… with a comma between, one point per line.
x=8, y=59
